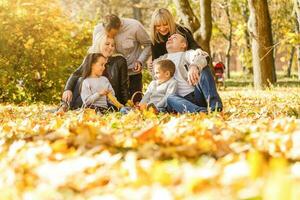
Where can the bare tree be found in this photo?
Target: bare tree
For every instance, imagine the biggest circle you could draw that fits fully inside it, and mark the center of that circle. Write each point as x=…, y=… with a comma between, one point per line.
x=262, y=43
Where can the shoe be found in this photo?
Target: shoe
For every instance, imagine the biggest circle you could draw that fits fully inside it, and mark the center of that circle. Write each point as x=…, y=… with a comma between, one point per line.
x=152, y=107
x=63, y=107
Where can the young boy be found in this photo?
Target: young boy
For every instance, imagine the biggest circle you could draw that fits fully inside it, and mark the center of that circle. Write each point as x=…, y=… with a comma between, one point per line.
x=160, y=88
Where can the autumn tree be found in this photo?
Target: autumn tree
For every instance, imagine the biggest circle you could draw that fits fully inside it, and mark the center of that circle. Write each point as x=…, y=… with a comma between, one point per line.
x=262, y=44
x=202, y=28
x=39, y=47
x=297, y=11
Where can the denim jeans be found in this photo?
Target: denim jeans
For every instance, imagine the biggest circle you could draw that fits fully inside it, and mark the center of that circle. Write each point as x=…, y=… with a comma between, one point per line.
x=204, y=96
x=76, y=100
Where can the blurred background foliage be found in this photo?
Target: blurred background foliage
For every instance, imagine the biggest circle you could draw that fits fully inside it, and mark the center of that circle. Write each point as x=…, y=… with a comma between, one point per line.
x=39, y=48
x=43, y=41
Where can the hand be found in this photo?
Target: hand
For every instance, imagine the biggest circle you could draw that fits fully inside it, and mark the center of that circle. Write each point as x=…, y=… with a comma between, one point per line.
x=104, y=92
x=193, y=75
x=150, y=65
x=67, y=96
x=137, y=66
x=142, y=106
x=200, y=58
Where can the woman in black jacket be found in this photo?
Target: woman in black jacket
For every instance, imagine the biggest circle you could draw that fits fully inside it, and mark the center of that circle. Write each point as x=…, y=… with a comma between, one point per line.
x=162, y=26
x=115, y=71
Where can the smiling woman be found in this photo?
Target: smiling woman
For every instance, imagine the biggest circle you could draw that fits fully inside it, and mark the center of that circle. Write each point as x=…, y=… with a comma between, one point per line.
x=115, y=71
x=162, y=26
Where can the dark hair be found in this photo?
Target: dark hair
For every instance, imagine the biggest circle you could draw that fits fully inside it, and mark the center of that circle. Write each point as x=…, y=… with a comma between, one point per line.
x=166, y=65
x=89, y=60
x=111, y=22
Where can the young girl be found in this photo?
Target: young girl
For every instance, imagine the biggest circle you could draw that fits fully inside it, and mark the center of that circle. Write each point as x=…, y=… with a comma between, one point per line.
x=95, y=86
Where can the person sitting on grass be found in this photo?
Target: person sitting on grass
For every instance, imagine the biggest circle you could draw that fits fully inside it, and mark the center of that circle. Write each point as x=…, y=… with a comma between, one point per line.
x=159, y=89
x=196, y=88
x=95, y=87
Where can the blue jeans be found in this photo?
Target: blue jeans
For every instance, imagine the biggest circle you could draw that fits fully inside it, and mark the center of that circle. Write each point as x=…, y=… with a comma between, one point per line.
x=204, y=96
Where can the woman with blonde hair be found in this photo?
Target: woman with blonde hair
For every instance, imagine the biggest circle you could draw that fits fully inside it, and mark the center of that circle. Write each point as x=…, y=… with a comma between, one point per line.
x=115, y=71
x=162, y=26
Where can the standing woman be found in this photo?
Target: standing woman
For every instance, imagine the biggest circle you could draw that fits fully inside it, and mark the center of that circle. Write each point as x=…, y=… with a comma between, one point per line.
x=115, y=71
x=162, y=26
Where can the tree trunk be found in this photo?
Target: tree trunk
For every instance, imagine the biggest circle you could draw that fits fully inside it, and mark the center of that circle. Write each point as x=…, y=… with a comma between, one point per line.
x=247, y=49
x=187, y=15
x=297, y=9
x=203, y=34
x=262, y=50
x=137, y=12
x=202, y=31
x=290, y=63
x=229, y=39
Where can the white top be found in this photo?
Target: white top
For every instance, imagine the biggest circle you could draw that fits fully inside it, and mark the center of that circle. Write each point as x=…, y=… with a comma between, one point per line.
x=183, y=87
x=182, y=61
x=90, y=91
x=158, y=93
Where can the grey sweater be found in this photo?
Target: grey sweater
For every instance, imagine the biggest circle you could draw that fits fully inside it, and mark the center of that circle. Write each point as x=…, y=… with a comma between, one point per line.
x=90, y=91
x=158, y=93
x=132, y=41
x=183, y=61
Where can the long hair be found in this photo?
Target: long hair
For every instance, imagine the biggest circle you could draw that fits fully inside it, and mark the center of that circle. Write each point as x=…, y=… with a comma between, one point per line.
x=89, y=60
x=96, y=46
x=161, y=16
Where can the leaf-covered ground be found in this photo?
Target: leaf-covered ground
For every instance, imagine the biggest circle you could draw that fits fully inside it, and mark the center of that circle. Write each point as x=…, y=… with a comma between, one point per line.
x=249, y=151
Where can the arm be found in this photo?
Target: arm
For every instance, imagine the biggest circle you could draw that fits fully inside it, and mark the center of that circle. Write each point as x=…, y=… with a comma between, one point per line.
x=98, y=28
x=72, y=80
x=146, y=97
x=144, y=39
x=172, y=87
x=198, y=58
x=86, y=94
x=110, y=88
x=123, y=80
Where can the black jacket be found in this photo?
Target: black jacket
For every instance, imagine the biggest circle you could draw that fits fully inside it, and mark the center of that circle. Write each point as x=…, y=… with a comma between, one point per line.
x=159, y=49
x=116, y=72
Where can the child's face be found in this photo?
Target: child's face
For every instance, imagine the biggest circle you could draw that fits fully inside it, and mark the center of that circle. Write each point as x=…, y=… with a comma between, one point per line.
x=161, y=75
x=99, y=66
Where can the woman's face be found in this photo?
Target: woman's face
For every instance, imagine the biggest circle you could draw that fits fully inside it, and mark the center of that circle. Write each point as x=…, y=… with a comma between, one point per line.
x=163, y=29
x=107, y=47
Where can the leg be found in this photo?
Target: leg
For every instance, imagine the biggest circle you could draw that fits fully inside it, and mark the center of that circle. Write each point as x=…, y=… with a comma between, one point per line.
x=206, y=91
x=125, y=110
x=135, y=84
x=182, y=104
x=76, y=100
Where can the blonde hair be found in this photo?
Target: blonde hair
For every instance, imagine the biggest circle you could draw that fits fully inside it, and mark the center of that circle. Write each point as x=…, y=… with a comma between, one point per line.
x=100, y=38
x=161, y=16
